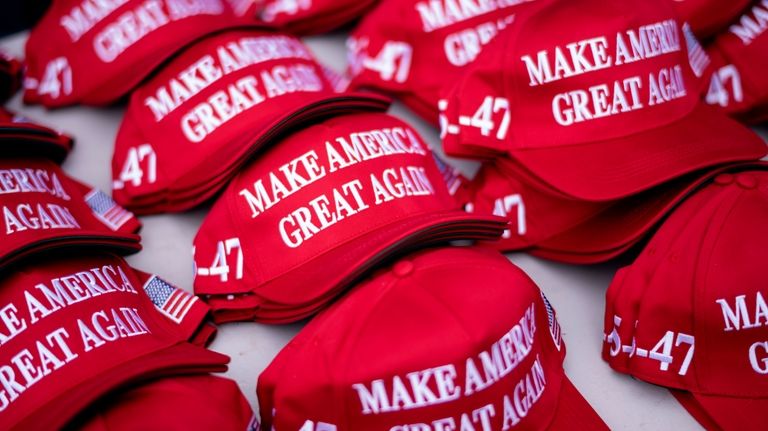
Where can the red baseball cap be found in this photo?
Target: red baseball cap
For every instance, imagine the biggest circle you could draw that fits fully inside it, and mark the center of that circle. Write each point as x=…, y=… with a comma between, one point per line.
x=20, y=137
x=311, y=16
x=690, y=313
x=414, y=50
x=96, y=52
x=217, y=103
x=709, y=17
x=42, y=208
x=325, y=204
x=740, y=57
x=628, y=221
x=76, y=328
x=196, y=402
x=10, y=76
x=551, y=94
x=492, y=360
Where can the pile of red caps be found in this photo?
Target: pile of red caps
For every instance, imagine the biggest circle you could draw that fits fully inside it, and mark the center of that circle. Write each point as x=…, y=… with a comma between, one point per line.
x=79, y=332
x=42, y=207
x=77, y=328
x=415, y=50
x=489, y=361
x=592, y=133
x=587, y=115
x=327, y=203
x=690, y=313
x=193, y=125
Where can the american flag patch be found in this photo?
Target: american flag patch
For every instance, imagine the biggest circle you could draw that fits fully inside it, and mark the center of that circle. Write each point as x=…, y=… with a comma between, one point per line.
x=171, y=301
x=451, y=175
x=554, y=327
x=107, y=210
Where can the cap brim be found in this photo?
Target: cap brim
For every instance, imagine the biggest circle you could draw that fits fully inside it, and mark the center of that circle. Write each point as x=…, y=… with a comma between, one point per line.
x=727, y=413
x=626, y=222
x=20, y=143
x=176, y=359
x=365, y=251
x=122, y=243
x=574, y=412
x=613, y=169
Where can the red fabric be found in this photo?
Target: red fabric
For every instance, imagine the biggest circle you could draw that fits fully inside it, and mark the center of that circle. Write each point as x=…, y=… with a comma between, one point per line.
x=201, y=402
x=325, y=204
x=682, y=298
x=429, y=302
x=740, y=58
x=524, y=99
x=76, y=328
x=43, y=209
x=95, y=52
x=250, y=86
x=414, y=50
x=709, y=17
x=311, y=16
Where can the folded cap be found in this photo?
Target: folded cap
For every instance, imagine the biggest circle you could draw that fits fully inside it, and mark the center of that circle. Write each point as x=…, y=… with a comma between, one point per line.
x=311, y=16
x=567, y=93
x=42, y=208
x=325, y=204
x=94, y=52
x=493, y=359
x=740, y=57
x=415, y=49
x=218, y=102
x=197, y=402
x=10, y=76
x=76, y=328
x=690, y=312
x=709, y=17
x=19, y=136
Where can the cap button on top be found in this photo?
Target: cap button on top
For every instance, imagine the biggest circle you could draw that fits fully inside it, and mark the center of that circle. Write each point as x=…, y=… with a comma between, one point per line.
x=746, y=181
x=724, y=179
x=403, y=268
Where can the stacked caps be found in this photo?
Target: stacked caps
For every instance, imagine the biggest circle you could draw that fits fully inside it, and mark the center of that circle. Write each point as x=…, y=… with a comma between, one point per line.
x=592, y=133
x=489, y=360
x=690, y=313
x=218, y=102
x=96, y=53
x=78, y=322
x=85, y=339
x=326, y=203
x=594, y=126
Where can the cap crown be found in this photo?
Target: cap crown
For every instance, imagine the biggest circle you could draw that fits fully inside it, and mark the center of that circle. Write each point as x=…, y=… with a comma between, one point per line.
x=444, y=332
x=690, y=313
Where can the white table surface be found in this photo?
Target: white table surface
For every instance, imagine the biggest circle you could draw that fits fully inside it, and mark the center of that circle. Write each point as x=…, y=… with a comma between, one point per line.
x=576, y=292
